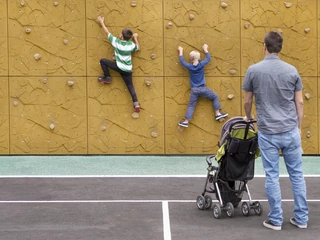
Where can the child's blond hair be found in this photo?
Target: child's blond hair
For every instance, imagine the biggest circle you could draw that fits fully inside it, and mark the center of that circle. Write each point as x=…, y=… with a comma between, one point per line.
x=195, y=55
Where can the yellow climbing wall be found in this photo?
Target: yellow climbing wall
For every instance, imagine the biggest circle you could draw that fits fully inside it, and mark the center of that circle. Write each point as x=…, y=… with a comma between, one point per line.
x=52, y=103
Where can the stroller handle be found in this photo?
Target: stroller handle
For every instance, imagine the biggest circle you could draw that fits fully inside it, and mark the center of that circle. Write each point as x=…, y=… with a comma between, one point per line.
x=208, y=159
x=247, y=123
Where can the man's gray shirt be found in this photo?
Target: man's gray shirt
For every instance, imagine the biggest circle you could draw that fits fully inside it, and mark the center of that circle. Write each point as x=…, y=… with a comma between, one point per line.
x=273, y=83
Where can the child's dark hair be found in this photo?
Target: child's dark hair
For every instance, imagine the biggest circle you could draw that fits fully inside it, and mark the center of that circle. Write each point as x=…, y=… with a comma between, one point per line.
x=127, y=34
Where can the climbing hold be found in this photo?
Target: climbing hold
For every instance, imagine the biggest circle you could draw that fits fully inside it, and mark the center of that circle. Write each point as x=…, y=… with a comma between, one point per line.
x=133, y=3
x=230, y=96
x=154, y=134
x=51, y=126
x=113, y=56
x=232, y=71
x=191, y=16
x=15, y=103
x=135, y=115
x=307, y=30
x=224, y=5
x=307, y=95
x=280, y=31
x=22, y=3
x=55, y=4
x=308, y=134
x=153, y=56
x=148, y=83
x=28, y=30
x=288, y=4
x=103, y=128
x=37, y=56
x=44, y=80
x=169, y=25
x=246, y=25
x=65, y=41
x=70, y=83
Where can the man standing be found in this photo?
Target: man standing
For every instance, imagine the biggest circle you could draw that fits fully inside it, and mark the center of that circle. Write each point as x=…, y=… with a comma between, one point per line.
x=277, y=89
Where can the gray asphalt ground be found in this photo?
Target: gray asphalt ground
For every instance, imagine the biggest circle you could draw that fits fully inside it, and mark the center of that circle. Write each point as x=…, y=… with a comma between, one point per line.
x=132, y=208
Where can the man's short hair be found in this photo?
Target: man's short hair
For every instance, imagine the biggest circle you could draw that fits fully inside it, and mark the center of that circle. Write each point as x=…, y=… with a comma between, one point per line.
x=127, y=34
x=273, y=41
x=195, y=55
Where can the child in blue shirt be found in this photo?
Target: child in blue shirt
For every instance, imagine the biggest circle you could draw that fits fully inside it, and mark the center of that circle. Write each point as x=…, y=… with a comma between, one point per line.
x=198, y=84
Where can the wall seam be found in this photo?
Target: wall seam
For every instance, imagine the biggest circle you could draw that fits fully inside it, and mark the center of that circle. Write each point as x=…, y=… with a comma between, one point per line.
x=8, y=85
x=86, y=75
x=164, y=84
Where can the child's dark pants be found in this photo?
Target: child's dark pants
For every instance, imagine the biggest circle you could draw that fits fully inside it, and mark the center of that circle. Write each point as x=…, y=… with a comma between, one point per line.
x=126, y=76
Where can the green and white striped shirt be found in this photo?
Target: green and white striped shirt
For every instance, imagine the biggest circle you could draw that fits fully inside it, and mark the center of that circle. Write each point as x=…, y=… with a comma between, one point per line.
x=122, y=51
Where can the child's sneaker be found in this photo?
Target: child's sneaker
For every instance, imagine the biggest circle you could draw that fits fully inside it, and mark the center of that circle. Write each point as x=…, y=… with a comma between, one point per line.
x=137, y=108
x=221, y=115
x=106, y=79
x=293, y=222
x=183, y=124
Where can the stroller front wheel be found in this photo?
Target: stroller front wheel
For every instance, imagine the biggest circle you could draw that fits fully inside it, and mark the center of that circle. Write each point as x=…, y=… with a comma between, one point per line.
x=216, y=210
x=208, y=202
x=229, y=209
x=245, y=209
x=258, y=209
x=201, y=202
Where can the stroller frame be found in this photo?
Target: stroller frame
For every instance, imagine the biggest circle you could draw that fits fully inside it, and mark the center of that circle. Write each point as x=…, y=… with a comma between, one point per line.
x=228, y=193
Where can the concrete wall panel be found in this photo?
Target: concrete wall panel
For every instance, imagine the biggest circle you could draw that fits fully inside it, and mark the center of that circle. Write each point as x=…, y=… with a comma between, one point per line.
x=210, y=23
x=114, y=128
x=144, y=18
x=48, y=115
x=310, y=132
x=3, y=39
x=56, y=33
x=203, y=132
x=4, y=116
x=297, y=22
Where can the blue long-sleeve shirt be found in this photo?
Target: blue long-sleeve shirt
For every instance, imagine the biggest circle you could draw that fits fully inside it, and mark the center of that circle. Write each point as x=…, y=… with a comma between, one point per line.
x=197, y=77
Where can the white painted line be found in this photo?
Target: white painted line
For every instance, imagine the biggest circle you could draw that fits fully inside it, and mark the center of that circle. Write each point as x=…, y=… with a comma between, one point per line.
x=134, y=201
x=125, y=176
x=166, y=221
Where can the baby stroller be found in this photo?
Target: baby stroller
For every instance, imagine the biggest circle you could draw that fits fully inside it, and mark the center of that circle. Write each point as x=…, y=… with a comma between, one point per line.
x=238, y=149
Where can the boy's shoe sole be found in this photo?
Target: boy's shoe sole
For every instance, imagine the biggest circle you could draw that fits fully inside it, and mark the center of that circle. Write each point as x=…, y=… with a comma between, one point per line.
x=106, y=80
x=293, y=222
x=183, y=124
x=270, y=225
x=221, y=116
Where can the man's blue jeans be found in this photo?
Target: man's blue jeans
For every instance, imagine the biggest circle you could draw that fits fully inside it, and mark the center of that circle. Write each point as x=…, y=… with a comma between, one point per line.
x=205, y=92
x=290, y=145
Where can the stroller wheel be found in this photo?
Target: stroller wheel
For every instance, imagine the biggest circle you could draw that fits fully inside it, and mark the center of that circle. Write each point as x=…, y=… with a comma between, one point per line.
x=245, y=209
x=229, y=209
x=216, y=210
x=208, y=202
x=200, y=202
x=258, y=209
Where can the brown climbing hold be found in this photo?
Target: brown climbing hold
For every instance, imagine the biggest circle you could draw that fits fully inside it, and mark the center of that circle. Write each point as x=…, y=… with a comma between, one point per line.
x=308, y=134
x=191, y=16
x=169, y=25
x=288, y=4
x=224, y=5
x=154, y=134
x=307, y=30
x=135, y=115
x=103, y=128
x=15, y=103
x=51, y=126
x=307, y=95
x=148, y=83
x=246, y=25
x=230, y=96
x=28, y=30
x=44, y=80
x=232, y=71
x=65, y=41
x=153, y=56
x=22, y=3
x=70, y=83
x=133, y=3
x=37, y=56
x=55, y=4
